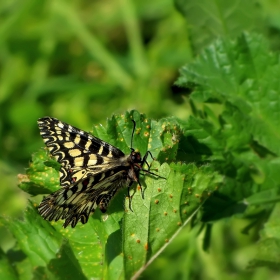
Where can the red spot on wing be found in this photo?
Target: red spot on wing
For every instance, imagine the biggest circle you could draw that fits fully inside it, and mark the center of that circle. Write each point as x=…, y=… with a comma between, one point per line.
x=85, y=182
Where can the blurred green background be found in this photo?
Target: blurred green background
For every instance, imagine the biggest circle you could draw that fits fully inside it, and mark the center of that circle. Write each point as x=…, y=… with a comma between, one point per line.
x=81, y=61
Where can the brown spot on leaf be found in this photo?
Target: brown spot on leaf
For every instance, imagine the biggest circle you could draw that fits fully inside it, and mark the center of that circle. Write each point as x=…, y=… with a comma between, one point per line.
x=146, y=246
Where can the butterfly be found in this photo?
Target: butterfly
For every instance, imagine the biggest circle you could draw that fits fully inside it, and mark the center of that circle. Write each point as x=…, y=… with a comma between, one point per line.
x=91, y=172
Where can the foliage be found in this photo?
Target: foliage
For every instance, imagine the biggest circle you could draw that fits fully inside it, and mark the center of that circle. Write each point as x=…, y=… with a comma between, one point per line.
x=218, y=151
x=242, y=76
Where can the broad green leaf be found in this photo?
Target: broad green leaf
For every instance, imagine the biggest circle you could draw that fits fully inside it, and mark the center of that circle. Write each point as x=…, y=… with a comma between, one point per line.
x=66, y=259
x=91, y=243
x=168, y=205
x=36, y=237
x=157, y=137
x=243, y=75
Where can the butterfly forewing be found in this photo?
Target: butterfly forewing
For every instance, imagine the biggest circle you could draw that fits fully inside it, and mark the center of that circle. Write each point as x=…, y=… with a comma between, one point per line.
x=91, y=172
x=80, y=154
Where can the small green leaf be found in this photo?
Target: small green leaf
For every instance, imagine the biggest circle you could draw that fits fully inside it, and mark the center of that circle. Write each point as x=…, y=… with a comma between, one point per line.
x=6, y=270
x=36, y=237
x=268, y=247
x=66, y=258
x=41, y=176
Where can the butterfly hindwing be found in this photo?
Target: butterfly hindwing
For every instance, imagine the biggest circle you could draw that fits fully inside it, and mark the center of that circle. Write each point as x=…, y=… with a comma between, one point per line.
x=77, y=202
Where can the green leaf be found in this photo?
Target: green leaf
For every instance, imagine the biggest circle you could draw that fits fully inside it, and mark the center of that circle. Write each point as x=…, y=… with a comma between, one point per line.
x=6, y=269
x=97, y=234
x=241, y=137
x=24, y=268
x=36, y=237
x=168, y=206
x=241, y=74
x=41, y=176
x=235, y=101
x=210, y=19
x=268, y=247
x=157, y=137
x=66, y=258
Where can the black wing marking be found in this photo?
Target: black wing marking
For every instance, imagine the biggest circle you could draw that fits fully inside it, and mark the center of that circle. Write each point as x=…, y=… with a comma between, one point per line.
x=75, y=203
x=80, y=154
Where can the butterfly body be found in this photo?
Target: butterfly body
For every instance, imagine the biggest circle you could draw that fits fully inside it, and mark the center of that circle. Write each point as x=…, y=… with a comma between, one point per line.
x=91, y=173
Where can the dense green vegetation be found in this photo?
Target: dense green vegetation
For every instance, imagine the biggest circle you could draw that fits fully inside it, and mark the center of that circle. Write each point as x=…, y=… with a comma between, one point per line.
x=202, y=83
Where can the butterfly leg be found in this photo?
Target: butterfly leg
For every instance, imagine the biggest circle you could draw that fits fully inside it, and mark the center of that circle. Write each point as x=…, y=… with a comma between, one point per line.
x=144, y=160
x=130, y=196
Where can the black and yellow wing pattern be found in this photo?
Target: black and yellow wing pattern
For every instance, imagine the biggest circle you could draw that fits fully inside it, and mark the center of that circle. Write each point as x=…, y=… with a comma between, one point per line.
x=91, y=172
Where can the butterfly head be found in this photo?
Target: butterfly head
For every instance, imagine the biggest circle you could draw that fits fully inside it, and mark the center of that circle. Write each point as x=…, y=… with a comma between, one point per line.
x=135, y=157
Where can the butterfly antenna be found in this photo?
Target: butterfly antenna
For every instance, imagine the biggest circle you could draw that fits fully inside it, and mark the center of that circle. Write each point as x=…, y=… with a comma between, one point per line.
x=134, y=125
